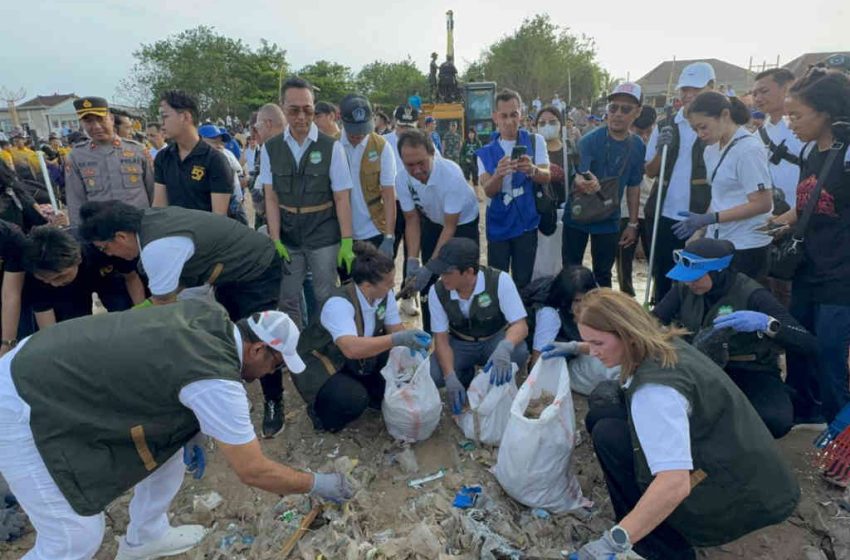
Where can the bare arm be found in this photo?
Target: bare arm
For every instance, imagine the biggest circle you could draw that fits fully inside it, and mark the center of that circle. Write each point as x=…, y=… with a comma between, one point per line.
x=135, y=287
x=449, y=229
x=388, y=198
x=759, y=202
x=662, y=497
x=342, y=202
x=256, y=470
x=653, y=167
x=220, y=203
x=445, y=354
x=493, y=183
x=517, y=332
x=272, y=211
x=160, y=196
x=45, y=319
x=164, y=299
x=360, y=347
x=13, y=286
x=412, y=233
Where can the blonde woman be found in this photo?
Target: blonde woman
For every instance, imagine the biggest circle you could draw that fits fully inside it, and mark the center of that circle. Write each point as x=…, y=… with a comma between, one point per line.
x=689, y=463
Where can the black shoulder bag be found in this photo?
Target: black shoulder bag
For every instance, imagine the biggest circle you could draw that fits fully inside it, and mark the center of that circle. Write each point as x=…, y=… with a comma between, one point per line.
x=588, y=208
x=545, y=201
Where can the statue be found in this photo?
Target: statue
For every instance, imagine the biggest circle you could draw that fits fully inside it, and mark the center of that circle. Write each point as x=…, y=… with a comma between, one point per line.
x=448, y=91
x=432, y=77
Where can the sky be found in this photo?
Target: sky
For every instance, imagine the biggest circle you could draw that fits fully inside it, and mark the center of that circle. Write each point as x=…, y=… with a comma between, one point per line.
x=86, y=47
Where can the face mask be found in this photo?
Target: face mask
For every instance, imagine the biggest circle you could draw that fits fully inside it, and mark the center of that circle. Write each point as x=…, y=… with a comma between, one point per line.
x=549, y=132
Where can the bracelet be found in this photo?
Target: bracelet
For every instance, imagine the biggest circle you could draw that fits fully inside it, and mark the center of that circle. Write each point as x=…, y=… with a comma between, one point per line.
x=633, y=225
x=11, y=343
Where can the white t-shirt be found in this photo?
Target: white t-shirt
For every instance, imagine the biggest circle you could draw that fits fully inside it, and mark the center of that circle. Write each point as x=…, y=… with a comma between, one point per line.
x=661, y=418
x=340, y=177
x=547, y=325
x=447, y=192
x=338, y=315
x=509, y=302
x=540, y=157
x=364, y=227
x=163, y=261
x=743, y=171
x=237, y=172
x=678, y=197
x=785, y=175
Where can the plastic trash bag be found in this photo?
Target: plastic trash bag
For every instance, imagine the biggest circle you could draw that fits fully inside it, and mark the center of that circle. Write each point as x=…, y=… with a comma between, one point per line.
x=586, y=372
x=489, y=409
x=412, y=404
x=536, y=455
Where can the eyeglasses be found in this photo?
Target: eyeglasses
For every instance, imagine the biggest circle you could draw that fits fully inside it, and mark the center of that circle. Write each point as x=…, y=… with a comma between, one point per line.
x=294, y=111
x=624, y=109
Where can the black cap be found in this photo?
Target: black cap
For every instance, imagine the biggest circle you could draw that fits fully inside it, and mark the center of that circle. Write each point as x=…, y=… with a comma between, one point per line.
x=458, y=252
x=91, y=106
x=710, y=248
x=356, y=113
x=405, y=115
x=838, y=62
x=325, y=108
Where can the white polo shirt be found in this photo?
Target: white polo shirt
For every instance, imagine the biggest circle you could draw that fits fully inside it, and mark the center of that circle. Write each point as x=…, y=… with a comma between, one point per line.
x=447, y=192
x=785, y=175
x=364, y=227
x=340, y=177
x=338, y=315
x=678, y=197
x=509, y=302
x=742, y=172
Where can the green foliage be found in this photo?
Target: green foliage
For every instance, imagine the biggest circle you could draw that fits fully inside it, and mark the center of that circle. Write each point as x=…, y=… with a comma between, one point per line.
x=390, y=83
x=534, y=60
x=332, y=80
x=225, y=75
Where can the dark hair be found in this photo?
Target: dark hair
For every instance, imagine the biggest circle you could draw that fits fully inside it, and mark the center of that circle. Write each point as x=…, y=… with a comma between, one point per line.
x=507, y=95
x=370, y=265
x=413, y=138
x=647, y=117
x=382, y=115
x=325, y=108
x=294, y=82
x=181, y=102
x=570, y=282
x=246, y=331
x=4, y=143
x=50, y=249
x=100, y=221
x=825, y=91
x=552, y=110
x=155, y=125
x=712, y=104
x=781, y=76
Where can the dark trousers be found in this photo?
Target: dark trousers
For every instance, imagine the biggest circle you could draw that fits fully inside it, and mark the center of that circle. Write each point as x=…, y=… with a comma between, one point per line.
x=752, y=262
x=626, y=256
x=603, y=251
x=470, y=172
x=346, y=395
x=399, y=232
x=768, y=395
x=612, y=443
x=515, y=255
x=665, y=244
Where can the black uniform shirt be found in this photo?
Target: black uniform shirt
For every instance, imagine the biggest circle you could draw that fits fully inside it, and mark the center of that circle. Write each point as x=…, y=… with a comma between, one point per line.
x=191, y=182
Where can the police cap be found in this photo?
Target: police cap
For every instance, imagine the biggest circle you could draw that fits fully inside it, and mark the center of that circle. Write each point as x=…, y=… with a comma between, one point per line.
x=91, y=106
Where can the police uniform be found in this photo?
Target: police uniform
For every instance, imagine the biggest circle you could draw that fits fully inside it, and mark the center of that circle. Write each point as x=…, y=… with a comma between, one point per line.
x=118, y=170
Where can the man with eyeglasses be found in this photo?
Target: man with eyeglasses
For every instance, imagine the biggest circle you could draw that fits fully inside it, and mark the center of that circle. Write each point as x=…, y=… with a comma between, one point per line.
x=610, y=157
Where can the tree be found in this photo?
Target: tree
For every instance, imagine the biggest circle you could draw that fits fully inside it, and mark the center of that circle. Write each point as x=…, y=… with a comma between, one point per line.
x=332, y=80
x=541, y=58
x=390, y=83
x=224, y=75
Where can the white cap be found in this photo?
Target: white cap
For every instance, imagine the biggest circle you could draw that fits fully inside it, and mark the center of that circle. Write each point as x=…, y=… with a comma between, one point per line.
x=276, y=329
x=628, y=88
x=696, y=75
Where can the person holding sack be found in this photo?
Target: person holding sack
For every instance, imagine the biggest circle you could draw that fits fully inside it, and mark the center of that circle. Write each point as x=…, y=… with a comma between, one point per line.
x=611, y=164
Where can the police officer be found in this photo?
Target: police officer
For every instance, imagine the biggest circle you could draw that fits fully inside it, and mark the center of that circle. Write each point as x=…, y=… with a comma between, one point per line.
x=107, y=167
x=98, y=405
x=346, y=349
x=477, y=317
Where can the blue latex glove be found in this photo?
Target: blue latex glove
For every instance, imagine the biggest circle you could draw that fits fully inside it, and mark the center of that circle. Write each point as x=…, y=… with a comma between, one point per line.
x=423, y=276
x=743, y=321
x=412, y=338
x=455, y=393
x=561, y=350
x=499, y=364
x=692, y=223
x=195, y=459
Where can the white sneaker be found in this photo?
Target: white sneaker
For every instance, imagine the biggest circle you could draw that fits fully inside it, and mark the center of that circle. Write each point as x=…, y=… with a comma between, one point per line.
x=175, y=541
x=410, y=306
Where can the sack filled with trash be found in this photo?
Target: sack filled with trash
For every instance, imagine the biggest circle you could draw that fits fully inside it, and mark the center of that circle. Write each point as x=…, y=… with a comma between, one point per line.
x=412, y=405
x=489, y=409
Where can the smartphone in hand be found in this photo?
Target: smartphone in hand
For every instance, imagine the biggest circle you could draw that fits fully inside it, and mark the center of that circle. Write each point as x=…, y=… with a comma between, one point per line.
x=518, y=152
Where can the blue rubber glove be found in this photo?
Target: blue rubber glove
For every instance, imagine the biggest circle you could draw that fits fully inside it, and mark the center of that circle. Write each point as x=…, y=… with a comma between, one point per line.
x=692, y=223
x=455, y=393
x=195, y=459
x=743, y=321
x=499, y=364
x=561, y=350
x=412, y=338
x=423, y=276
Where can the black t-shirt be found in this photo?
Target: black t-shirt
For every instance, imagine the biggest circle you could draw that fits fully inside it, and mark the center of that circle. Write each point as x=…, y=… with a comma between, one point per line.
x=11, y=247
x=191, y=182
x=825, y=273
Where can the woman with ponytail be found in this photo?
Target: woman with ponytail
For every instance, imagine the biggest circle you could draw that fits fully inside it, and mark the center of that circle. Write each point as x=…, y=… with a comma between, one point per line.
x=736, y=165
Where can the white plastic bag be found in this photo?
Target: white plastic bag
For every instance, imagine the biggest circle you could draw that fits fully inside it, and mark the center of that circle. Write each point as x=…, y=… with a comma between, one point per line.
x=535, y=457
x=547, y=259
x=489, y=408
x=412, y=405
x=586, y=372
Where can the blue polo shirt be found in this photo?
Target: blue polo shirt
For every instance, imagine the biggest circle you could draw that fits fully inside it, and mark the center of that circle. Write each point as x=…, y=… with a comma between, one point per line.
x=603, y=156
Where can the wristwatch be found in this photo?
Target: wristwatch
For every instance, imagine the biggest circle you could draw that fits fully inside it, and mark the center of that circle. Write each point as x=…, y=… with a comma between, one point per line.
x=633, y=225
x=621, y=538
x=773, y=327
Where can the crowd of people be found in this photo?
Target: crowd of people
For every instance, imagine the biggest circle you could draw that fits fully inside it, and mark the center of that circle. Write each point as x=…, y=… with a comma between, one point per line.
x=224, y=257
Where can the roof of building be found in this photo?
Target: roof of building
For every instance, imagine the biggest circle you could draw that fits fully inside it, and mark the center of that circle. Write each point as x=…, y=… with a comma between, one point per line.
x=799, y=65
x=40, y=101
x=656, y=80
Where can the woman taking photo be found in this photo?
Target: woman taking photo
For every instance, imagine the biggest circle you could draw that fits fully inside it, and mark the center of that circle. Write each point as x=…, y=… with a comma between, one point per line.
x=549, y=126
x=820, y=292
x=468, y=160
x=691, y=465
x=741, y=196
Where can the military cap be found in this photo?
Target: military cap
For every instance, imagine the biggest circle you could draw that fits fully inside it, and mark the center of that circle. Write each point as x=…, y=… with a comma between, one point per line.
x=91, y=106
x=405, y=115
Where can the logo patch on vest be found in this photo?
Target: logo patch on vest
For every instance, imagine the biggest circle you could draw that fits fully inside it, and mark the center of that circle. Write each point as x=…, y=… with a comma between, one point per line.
x=484, y=300
x=575, y=209
x=198, y=172
x=381, y=312
x=725, y=310
x=373, y=156
x=315, y=157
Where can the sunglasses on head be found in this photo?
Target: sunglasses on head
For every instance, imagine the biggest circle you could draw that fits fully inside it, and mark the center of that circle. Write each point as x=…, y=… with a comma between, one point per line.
x=624, y=108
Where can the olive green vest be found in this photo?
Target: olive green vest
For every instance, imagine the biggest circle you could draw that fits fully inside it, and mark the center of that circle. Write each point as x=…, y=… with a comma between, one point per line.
x=103, y=393
x=746, y=350
x=307, y=214
x=740, y=482
x=225, y=250
x=370, y=180
x=485, y=314
x=323, y=358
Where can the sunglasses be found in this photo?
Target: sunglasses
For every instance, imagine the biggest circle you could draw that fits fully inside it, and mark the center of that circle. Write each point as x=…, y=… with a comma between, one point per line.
x=691, y=262
x=624, y=109
x=294, y=111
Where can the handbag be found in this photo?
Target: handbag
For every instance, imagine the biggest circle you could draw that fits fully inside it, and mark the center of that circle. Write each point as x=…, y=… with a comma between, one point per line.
x=545, y=202
x=588, y=208
x=786, y=254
